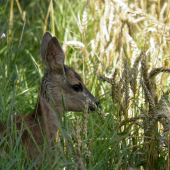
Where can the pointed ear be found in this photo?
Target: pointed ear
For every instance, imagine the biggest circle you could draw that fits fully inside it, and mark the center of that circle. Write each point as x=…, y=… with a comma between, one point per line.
x=52, y=52
x=54, y=55
x=45, y=40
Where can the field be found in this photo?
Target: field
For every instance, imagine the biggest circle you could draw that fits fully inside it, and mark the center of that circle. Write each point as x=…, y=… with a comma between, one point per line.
x=121, y=50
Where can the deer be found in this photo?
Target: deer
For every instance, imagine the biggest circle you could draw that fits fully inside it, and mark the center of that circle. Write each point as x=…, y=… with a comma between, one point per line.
x=59, y=83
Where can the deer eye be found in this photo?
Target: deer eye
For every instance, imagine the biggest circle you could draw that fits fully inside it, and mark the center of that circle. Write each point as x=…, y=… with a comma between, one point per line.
x=77, y=87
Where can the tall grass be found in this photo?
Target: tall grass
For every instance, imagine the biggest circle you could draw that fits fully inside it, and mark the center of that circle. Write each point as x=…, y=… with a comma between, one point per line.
x=121, y=50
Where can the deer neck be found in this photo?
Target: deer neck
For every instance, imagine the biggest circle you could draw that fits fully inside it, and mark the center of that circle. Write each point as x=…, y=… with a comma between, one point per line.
x=47, y=116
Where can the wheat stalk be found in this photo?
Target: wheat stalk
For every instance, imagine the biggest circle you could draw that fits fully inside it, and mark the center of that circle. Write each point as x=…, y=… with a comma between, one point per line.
x=103, y=78
x=144, y=70
x=78, y=141
x=156, y=71
x=84, y=118
x=134, y=73
x=126, y=85
x=148, y=95
x=114, y=86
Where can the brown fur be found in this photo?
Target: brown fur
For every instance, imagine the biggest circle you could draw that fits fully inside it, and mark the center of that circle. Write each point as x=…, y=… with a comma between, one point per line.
x=59, y=84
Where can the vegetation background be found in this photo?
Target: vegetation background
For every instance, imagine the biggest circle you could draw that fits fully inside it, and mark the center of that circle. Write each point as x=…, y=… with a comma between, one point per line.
x=121, y=50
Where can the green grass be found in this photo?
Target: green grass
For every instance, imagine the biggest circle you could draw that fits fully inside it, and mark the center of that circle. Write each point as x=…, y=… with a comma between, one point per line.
x=110, y=145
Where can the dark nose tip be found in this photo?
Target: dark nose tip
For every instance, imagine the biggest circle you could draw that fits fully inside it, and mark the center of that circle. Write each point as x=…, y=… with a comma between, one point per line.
x=92, y=109
x=97, y=103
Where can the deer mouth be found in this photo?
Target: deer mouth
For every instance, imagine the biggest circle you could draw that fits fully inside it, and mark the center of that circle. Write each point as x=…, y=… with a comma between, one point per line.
x=92, y=109
x=94, y=106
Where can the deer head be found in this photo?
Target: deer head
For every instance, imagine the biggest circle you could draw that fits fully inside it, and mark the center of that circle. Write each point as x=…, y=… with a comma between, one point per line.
x=61, y=84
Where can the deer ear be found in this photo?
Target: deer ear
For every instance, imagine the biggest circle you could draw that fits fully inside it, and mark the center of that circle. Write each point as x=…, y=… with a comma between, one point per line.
x=54, y=55
x=52, y=52
x=45, y=40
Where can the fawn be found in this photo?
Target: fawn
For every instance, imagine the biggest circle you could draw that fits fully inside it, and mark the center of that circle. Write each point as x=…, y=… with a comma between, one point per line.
x=60, y=83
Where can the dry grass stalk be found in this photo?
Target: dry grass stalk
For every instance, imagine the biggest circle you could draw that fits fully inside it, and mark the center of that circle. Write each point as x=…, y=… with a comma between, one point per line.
x=126, y=85
x=78, y=141
x=77, y=154
x=71, y=144
x=161, y=114
x=77, y=134
x=161, y=28
x=52, y=18
x=84, y=119
x=103, y=78
x=111, y=20
x=144, y=70
x=97, y=5
x=87, y=153
x=136, y=63
x=165, y=134
x=120, y=90
x=22, y=30
x=20, y=10
x=121, y=62
x=106, y=11
x=77, y=44
x=80, y=161
x=134, y=73
x=153, y=123
x=11, y=18
x=148, y=95
x=131, y=120
x=158, y=84
x=163, y=10
x=51, y=24
x=114, y=86
x=164, y=113
x=100, y=113
x=134, y=47
x=115, y=74
x=156, y=71
x=78, y=148
x=83, y=26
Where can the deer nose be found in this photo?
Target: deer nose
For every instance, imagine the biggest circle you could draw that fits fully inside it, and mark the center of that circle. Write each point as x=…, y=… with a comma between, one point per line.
x=92, y=108
x=97, y=103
